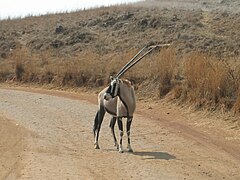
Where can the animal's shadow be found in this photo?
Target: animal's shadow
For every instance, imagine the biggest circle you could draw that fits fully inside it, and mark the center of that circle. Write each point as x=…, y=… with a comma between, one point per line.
x=154, y=155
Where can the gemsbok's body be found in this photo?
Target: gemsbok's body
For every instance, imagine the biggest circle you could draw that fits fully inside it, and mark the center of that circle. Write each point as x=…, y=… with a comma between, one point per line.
x=118, y=100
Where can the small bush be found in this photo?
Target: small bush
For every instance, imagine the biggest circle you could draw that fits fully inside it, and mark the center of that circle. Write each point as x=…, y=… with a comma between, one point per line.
x=166, y=69
x=19, y=70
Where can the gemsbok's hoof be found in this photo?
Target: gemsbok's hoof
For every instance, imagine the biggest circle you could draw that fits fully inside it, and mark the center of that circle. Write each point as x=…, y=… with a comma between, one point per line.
x=120, y=151
x=130, y=150
x=96, y=146
x=117, y=146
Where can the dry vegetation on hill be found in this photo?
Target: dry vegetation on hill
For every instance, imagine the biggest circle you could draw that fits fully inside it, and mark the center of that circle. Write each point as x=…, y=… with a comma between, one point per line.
x=84, y=48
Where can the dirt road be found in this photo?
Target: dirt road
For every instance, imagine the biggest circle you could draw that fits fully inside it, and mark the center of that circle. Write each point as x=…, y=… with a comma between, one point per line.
x=48, y=135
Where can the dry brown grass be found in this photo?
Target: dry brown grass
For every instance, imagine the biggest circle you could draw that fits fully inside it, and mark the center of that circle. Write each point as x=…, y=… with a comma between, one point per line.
x=209, y=82
x=206, y=81
x=236, y=107
x=84, y=69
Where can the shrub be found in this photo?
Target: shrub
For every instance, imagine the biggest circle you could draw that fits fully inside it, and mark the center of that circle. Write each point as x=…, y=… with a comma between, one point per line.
x=166, y=69
x=19, y=70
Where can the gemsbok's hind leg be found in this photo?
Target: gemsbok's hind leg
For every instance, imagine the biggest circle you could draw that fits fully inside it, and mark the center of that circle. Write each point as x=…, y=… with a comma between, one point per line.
x=95, y=124
x=98, y=122
x=120, y=126
x=112, y=125
x=129, y=122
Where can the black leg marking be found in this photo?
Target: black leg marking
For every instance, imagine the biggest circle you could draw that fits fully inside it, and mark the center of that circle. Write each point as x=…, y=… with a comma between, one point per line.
x=112, y=125
x=112, y=122
x=129, y=122
x=120, y=126
x=95, y=125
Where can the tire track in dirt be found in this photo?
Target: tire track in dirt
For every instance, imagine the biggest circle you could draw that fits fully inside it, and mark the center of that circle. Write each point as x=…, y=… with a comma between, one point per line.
x=206, y=140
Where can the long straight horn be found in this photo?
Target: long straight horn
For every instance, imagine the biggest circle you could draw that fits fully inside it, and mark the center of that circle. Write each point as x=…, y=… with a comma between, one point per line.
x=139, y=59
x=127, y=68
x=126, y=65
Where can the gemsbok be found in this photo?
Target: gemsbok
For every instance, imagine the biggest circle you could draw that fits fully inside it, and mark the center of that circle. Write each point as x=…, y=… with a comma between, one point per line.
x=118, y=99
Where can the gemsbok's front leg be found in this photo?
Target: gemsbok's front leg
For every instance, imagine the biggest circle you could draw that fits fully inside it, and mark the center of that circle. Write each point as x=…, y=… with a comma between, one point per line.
x=112, y=125
x=120, y=126
x=129, y=122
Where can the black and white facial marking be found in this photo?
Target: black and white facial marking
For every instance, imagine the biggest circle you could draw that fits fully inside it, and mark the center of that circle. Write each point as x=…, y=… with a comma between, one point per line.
x=112, y=90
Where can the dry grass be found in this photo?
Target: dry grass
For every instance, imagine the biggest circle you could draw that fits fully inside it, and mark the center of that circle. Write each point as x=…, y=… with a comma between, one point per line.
x=209, y=82
x=206, y=81
x=84, y=69
x=236, y=107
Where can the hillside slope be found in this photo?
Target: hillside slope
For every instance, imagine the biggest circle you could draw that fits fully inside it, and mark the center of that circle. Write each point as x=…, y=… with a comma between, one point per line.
x=116, y=29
